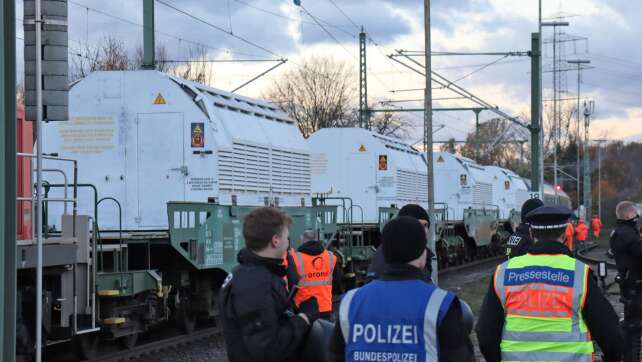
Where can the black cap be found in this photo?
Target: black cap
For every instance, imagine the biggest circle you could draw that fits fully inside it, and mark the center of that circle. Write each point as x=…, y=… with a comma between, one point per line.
x=415, y=211
x=404, y=240
x=549, y=217
x=530, y=205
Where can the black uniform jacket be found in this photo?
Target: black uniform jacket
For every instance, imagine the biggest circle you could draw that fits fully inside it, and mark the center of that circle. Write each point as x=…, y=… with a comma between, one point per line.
x=600, y=318
x=255, y=311
x=314, y=247
x=519, y=243
x=378, y=265
x=627, y=248
x=454, y=342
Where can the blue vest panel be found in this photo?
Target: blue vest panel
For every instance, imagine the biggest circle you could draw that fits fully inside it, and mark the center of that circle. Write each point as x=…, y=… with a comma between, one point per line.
x=393, y=321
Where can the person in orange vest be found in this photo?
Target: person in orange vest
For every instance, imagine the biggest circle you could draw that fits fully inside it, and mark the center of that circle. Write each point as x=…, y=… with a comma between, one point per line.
x=568, y=236
x=581, y=233
x=596, y=225
x=318, y=273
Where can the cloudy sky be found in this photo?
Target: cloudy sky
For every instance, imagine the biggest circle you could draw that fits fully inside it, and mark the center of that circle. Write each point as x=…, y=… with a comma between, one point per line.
x=608, y=33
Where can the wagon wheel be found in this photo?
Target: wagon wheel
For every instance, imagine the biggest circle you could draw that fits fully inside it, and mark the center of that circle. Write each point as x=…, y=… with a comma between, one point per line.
x=129, y=341
x=87, y=346
x=186, y=320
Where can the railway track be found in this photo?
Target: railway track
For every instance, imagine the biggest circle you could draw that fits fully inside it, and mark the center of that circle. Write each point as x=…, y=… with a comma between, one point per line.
x=494, y=260
x=582, y=255
x=147, y=349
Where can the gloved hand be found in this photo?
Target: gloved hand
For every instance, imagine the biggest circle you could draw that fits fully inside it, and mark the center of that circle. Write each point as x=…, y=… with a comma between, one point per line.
x=310, y=307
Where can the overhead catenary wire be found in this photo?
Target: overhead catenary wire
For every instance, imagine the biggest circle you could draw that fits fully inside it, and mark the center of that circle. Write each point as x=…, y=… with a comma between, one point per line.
x=337, y=41
x=479, y=69
x=216, y=27
x=133, y=23
x=285, y=17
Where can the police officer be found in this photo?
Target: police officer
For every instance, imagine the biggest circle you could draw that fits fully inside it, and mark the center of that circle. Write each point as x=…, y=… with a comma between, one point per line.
x=258, y=323
x=401, y=317
x=626, y=246
x=522, y=238
x=378, y=263
x=545, y=305
x=625, y=242
x=318, y=273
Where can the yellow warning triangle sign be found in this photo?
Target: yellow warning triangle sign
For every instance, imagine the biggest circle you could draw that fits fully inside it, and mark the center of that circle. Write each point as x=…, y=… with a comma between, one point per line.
x=362, y=148
x=159, y=99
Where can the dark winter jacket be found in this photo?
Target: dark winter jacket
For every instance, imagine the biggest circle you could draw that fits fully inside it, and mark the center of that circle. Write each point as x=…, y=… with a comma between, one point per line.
x=626, y=245
x=519, y=243
x=258, y=323
x=378, y=265
x=600, y=318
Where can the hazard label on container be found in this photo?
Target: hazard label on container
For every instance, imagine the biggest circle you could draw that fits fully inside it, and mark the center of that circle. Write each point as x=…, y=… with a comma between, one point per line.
x=383, y=162
x=198, y=139
x=159, y=99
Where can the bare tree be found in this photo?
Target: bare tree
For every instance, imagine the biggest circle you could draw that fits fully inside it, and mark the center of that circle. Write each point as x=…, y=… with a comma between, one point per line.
x=109, y=54
x=161, y=56
x=450, y=146
x=196, y=67
x=565, y=124
x=497, y=143
x=316, y=94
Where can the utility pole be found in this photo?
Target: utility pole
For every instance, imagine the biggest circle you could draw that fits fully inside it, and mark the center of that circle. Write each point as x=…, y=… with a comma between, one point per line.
x=149, y=46
x=579, y=63
x=599, y=176
x=556, y=128
x=428, y=137
x=8, y=180
x=589, y=109
x=540, y=110
x=364, y=114
x=536, y=108
x=477, y=111
x=38, y=218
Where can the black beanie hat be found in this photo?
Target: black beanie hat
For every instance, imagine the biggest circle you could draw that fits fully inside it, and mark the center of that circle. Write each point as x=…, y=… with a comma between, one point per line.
x=530, y=205
x=404, y=240
x=415, y=211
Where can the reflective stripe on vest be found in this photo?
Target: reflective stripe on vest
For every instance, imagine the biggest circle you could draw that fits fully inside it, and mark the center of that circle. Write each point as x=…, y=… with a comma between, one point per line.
x=316, y=282
x=303, y=282
x=393, y=337
x=543, y=297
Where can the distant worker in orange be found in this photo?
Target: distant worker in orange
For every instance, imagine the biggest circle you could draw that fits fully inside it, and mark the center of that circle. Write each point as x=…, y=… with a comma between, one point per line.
x=568, y=236
x=581, y=233
x=317, y=271
x=596, y=226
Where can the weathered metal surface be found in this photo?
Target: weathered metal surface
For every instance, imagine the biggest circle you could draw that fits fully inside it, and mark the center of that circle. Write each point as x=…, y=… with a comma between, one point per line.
x=210, y=236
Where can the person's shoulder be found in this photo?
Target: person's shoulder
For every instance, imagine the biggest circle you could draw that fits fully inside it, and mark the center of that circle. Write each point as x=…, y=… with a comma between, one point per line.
x=244, y=278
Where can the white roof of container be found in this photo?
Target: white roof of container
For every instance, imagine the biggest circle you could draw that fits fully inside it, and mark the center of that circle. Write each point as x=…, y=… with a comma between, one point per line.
x=235, y=111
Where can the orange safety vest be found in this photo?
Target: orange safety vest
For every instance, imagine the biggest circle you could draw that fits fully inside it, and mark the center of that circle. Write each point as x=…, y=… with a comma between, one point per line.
x=582, y=231
x=568, y=241
x=315, y=278
x=596, y=225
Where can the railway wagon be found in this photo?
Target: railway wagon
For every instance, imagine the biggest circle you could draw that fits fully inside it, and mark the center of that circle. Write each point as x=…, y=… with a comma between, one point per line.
x=467, y=217
x=164, y=170
x=370, y=176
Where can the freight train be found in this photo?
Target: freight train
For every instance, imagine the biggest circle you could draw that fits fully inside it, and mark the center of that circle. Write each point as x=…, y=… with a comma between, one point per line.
x=149, y=179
